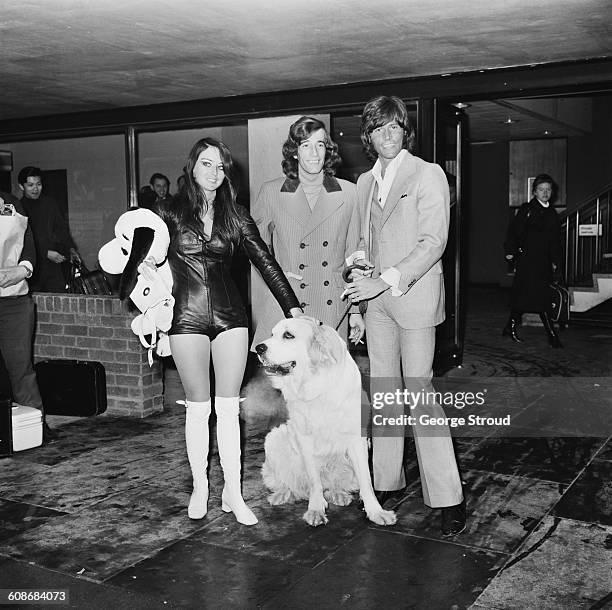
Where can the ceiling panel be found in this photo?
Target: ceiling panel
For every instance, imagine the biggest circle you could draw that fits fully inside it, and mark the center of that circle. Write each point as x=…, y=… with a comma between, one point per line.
x=61, y=56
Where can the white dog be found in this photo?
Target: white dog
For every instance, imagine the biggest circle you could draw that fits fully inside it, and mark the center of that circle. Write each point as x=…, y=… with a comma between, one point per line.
x=319, y=454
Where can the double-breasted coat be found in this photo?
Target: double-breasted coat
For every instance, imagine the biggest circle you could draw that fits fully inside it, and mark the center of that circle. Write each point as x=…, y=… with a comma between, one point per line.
x=534, y=238
x=310, y=245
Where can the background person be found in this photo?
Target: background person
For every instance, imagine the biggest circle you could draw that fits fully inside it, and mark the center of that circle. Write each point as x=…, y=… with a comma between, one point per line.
x=206, y=227
x=54, y=244
x=310, y=220
x=404, y=207
x=17, y=259
x=161, y=186
x=533, y=247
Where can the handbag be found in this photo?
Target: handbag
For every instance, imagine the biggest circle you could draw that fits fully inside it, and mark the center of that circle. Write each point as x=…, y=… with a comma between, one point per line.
x=559, y=303
x=83, y=281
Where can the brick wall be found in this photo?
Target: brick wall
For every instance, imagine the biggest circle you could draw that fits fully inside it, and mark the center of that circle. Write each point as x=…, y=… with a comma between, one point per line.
x=92, y=328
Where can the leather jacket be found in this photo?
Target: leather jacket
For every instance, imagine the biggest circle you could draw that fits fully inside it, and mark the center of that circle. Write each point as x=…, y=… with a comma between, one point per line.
x=206, y=297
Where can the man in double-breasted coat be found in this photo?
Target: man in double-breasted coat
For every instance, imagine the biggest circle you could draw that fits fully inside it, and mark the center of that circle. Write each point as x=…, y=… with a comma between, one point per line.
x=404, y=208
x=310, y=221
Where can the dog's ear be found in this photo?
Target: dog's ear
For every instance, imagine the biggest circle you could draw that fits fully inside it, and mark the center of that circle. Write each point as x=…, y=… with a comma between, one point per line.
x=141, y=244
x=326, y=346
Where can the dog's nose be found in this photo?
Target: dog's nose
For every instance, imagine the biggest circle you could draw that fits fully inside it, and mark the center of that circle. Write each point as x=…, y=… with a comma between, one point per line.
x=261, y=348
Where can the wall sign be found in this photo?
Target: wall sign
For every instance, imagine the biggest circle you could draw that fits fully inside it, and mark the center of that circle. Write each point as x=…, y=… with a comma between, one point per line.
x=589, y=230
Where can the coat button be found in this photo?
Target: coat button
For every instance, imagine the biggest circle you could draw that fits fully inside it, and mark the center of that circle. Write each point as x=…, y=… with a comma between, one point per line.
x=302, y=266
x=302, y=245
x=324, y=263
x=329, y=301
x=302, y=285
x=325, y=244
x=326, y=283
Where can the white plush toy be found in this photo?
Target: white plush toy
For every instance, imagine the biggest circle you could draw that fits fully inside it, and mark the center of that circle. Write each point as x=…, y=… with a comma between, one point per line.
x=139, y=253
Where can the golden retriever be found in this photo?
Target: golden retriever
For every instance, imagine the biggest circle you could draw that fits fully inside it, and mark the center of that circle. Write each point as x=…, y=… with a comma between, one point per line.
x=319, y=454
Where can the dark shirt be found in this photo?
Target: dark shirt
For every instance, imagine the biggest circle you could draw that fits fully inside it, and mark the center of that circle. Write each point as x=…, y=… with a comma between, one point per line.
x=50, y=228
x=51, y=232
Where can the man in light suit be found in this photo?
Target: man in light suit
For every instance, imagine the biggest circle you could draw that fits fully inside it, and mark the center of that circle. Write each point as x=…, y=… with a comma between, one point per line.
x=404, y=205
x=310, y=221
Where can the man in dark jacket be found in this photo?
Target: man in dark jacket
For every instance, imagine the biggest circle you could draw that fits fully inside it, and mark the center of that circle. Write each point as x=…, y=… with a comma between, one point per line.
x=54, y=244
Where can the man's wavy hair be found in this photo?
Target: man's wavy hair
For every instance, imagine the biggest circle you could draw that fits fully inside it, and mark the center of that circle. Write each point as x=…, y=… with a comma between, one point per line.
x=378, y=112
x=190, y=206
x=301, y=130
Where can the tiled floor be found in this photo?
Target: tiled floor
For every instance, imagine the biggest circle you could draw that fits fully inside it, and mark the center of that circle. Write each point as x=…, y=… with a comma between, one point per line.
x=101, y=511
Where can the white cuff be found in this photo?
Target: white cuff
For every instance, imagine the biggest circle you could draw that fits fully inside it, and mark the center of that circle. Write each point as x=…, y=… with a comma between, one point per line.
x=28, y=265
x=392, y=276
x=355, y=256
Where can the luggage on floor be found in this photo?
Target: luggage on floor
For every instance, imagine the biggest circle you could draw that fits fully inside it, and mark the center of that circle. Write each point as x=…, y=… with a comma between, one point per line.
x=72, y=387
x=560, y=306
x=6, y=427
x=27, y=427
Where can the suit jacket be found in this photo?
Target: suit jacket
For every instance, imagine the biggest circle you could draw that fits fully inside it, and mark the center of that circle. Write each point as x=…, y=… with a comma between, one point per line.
x=311, y=244
x=412, y=239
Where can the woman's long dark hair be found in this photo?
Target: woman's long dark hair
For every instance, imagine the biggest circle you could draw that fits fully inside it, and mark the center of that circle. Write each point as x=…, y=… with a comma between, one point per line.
x=190, y=205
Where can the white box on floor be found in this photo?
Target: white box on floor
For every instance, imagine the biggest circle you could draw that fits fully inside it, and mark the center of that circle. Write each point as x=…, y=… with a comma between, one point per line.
x=27, y=428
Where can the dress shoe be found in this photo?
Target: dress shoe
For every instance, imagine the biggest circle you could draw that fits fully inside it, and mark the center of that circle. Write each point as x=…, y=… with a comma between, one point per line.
x=49, y=435
x=453, y=520
x=391, y=497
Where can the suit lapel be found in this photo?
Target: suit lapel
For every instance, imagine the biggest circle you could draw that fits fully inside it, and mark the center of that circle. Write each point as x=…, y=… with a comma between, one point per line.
x=294, y=202
x=330, y=199
x=367, y=220
x=398, y=188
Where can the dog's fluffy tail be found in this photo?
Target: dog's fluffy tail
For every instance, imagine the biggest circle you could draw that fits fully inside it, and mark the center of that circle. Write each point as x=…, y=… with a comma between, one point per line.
x=263, y=403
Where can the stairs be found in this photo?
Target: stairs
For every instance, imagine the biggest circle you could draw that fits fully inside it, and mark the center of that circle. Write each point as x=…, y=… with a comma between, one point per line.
x=584, y=298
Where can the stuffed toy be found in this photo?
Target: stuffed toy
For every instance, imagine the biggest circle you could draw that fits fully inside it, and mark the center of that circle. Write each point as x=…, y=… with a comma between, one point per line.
x=139, y=253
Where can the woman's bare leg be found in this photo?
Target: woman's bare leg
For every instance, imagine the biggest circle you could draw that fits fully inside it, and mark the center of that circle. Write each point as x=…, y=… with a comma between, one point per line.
x=229, y=353
x=191, y=354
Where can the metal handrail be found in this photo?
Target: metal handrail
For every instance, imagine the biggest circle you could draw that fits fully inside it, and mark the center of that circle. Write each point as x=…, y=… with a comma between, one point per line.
x=584, y=255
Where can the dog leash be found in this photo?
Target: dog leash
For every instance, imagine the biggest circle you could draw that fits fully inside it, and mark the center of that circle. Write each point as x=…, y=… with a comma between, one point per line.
x=348, y=308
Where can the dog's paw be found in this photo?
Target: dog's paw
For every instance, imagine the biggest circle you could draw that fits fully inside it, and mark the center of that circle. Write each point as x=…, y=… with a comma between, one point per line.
x=315, y=517
x=383, y=517
x=282, y=496
x=339, y=498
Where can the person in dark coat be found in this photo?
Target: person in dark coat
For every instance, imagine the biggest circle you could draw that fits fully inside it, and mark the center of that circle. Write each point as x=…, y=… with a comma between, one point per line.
x=533, y=247
x=54, y=244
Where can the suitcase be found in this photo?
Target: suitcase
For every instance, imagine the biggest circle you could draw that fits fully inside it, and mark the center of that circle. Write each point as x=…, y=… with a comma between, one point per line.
x=560, y=306
x=27, y=427
x=72, y=387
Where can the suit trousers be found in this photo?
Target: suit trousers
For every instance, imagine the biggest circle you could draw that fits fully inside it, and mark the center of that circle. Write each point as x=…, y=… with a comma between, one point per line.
x=16, y=332
x=400, y=356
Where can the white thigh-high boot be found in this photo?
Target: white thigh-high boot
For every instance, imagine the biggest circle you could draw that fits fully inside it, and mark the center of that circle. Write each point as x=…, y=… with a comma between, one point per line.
x=228, y=440
x=197, y=440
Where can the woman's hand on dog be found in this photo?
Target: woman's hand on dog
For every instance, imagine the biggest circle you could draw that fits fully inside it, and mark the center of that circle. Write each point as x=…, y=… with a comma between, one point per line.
x=357, y=326
x=296, y=312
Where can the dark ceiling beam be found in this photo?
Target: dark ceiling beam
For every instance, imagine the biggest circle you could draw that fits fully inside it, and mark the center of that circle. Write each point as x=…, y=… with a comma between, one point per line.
x=544, y=79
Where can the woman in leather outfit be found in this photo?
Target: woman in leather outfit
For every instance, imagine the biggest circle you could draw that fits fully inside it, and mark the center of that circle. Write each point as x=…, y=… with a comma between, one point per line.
x=206, y=227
